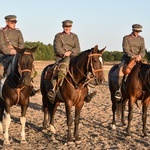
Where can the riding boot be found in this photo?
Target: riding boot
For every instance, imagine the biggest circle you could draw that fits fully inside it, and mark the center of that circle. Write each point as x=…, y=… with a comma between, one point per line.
x=118, y=94
x=34, y=91
x=89, y=96
x=52, y=92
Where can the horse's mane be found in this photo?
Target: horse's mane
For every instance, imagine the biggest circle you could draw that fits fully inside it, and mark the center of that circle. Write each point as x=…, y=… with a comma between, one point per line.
x=80, y=58
x=13, y=78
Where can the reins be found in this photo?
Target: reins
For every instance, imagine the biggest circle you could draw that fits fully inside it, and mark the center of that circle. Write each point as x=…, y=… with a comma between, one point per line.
x=87, y=80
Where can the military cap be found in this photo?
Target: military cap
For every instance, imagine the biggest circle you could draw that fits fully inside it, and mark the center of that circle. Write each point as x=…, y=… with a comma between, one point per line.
x=11, y=18
x=137, y=27
x=67, y=23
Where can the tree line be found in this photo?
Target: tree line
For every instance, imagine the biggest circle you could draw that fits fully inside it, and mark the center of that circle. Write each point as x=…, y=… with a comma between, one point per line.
x=46, y=52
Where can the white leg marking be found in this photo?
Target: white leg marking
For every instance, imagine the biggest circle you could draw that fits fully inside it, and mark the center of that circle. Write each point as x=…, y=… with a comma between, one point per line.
x=52, y=129
x=114, y=127
x=23, y=122
x=7, y=124
x=1, y=127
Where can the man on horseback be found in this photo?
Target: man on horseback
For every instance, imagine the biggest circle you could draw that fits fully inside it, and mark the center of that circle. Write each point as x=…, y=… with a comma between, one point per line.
x=10, y=37
x=66, y=45
x=134, y=49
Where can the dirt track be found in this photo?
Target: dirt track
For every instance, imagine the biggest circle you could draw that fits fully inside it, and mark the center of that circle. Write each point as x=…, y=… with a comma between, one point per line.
x=95, y=125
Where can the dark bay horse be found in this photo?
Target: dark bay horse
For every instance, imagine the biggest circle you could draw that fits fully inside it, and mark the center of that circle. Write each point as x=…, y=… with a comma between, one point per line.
x=74, y=89
x=16, y=89
x=136, y=87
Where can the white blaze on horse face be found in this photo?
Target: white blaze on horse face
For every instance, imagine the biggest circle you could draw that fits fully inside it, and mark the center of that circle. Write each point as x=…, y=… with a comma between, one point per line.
x=101, y=60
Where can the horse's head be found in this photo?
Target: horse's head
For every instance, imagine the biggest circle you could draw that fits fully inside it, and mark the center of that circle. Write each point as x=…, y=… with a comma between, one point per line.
x=95, y=65
x=25, y=64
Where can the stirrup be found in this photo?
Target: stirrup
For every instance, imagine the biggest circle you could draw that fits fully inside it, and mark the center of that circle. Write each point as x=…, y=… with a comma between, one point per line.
x=51, y=95
x=118, y=95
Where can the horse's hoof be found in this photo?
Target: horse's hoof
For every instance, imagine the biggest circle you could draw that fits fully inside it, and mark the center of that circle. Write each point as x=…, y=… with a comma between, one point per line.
x=70, y=142
x=77, y=142
x=52, y=129
x=23, y=141
x=128, y=136
x=6, y=143
x=114, y=127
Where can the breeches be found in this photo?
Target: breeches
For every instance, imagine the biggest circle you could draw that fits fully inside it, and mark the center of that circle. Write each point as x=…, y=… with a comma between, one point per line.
x=63, y=67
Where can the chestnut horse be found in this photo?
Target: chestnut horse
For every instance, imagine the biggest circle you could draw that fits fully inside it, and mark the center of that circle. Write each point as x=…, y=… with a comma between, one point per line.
x=135, y=87
x=74, y=89
x=16, y=89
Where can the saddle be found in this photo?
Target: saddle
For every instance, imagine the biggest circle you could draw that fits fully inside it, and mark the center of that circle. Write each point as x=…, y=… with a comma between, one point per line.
x=51, y=72
x=127, y=68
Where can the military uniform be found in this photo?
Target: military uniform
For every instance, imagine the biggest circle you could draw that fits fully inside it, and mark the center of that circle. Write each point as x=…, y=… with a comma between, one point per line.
x=133, y=46
x=63, y=42
x=9, y=37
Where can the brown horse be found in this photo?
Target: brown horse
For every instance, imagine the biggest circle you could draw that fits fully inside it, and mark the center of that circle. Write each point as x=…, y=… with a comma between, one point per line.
x=135, y=87
x=16, y=89
x=74, y=88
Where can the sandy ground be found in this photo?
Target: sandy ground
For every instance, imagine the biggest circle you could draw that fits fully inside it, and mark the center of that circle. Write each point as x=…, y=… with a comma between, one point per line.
x=95, y=125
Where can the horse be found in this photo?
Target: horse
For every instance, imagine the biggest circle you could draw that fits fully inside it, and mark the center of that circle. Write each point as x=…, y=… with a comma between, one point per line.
x=135, y=87
x=73, y=89
x=16, y=89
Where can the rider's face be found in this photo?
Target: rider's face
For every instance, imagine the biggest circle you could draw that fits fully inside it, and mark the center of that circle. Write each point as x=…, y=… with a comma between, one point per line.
x=67, y=29
x=11, y=24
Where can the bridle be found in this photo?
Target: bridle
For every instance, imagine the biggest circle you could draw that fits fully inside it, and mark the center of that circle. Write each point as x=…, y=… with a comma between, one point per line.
x=24, y=70
x=91, y=64
x=19, y=89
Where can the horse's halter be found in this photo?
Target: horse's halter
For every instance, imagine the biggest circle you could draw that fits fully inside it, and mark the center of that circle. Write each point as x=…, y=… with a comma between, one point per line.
x=24, y=70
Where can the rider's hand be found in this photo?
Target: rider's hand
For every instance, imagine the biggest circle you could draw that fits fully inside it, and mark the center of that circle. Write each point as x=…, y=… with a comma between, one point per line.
x=67, y=53
x=12, y=51
x=138, y=58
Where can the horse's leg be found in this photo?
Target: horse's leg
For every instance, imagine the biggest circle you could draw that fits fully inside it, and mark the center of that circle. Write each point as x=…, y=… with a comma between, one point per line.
x=144, y=115
x=7, y=124
x=114, y=111
x=45, y=111
x=23, y=121
x=130, y=115
x=77, y=117
x=1, y=117
x=123, y=112
x=7, y=121
x=52, y=110
x=68, y=105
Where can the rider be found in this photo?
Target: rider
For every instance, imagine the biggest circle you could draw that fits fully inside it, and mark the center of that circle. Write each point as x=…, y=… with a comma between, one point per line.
x=133, y=48
x=66, y=45
x=10, y=37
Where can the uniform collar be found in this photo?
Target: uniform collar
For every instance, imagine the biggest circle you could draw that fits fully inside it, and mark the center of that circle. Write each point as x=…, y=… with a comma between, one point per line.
x=7, y=28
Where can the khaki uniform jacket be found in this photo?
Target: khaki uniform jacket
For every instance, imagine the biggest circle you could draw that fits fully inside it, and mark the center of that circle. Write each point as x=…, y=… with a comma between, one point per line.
x=133, y=45
x=64, y=42
x=10, y=37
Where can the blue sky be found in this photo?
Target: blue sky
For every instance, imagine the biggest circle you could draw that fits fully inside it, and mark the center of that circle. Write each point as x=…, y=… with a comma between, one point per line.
x=96, y=22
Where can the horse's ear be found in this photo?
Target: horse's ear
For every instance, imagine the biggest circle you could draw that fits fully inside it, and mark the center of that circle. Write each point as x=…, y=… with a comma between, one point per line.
x=18, y=49
x=102, y=50
x=34, y=48
x=95, y=49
